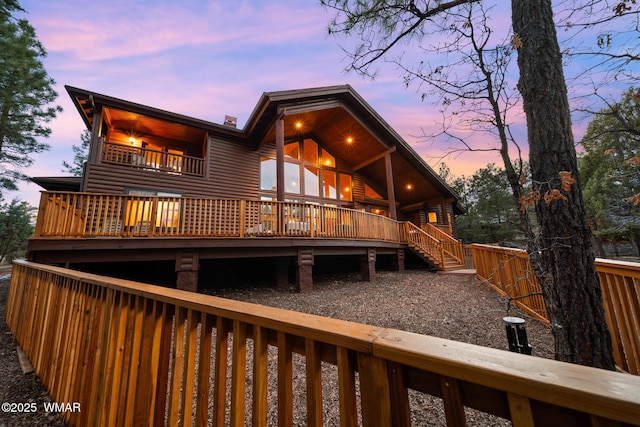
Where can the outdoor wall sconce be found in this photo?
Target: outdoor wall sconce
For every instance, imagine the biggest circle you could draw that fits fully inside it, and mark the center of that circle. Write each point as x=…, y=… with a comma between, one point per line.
x=517, y=335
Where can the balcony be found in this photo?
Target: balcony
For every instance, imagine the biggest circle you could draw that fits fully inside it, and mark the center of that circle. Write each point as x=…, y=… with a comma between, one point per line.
x=151, y=160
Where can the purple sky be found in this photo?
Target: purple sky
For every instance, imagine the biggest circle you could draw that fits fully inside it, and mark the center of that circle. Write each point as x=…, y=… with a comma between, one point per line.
x=207, y=59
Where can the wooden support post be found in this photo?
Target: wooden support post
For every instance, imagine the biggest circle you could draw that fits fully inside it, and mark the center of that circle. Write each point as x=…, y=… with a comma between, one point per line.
x=280, y=159
x=187, y=267
x=391, y=193
x=282, y=272
x=368, y=265
x=397, y=261
x=304, y=270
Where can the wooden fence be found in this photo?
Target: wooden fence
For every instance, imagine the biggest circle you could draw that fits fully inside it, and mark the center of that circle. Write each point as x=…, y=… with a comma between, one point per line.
x=509, y=272
x=136, y=354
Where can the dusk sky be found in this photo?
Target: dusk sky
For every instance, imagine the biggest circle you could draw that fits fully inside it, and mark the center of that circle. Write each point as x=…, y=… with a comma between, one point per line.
x=208, y=59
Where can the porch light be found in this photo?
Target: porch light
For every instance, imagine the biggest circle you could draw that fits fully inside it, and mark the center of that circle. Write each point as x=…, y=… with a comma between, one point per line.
x=298, y=125
x=132, y=140
x=349, y=140
x=409, y=187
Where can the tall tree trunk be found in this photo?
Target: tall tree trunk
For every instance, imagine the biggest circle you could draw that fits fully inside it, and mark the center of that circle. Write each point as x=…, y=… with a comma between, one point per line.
x=564, y=260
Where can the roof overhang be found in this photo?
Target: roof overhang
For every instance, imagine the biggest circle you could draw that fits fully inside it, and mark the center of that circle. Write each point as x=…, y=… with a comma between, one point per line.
x=58, y=183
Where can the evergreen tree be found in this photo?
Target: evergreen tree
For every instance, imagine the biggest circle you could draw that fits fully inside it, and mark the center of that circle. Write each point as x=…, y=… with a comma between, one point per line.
x=26, y=95
x=491, y=215
x=610, y=169
x=80, y=154
x=15, y=228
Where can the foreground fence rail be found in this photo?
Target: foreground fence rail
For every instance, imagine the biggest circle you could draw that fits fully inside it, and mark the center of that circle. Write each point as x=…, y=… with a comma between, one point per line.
x=509, y=271
x=135, y=354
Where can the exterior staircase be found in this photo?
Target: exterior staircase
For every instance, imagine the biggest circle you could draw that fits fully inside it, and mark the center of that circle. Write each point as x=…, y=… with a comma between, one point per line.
x=435, y=247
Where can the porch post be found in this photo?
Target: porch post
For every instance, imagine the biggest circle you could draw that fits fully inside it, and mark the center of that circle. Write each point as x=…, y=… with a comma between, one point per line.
x=187, y=267
x=390, y=190
x=95, y=150
x=280, y=158
x=397, y=261
x=368, y=265
x=445, y=211
x=304, y=270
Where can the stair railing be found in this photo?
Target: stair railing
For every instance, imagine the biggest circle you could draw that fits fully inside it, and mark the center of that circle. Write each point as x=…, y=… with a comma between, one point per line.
x=453, y=247
x=429, y=244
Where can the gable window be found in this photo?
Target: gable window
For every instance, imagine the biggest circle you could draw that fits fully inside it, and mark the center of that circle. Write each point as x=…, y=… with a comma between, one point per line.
x=309, y=170
x=345, y=187
x=370, y=193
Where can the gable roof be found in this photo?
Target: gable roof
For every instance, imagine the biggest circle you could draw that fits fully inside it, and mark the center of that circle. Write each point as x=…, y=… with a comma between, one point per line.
x=328, y=114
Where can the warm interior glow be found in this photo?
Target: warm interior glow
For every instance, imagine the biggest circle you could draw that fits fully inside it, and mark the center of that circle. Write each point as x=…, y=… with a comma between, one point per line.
x=377, y=211
x=409, y=187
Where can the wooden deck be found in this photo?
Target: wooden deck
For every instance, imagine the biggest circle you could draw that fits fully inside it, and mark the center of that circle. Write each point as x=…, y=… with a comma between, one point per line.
x=134, y=354
x=88, y=227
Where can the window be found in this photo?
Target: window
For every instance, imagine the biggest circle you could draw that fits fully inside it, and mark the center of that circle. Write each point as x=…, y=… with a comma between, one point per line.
x=345, y=187
x=311, y=181
x=328, y=160
x=291, y=150
x=329, y=184
x=309, y=170
x=291, y=178
x=310, y=151
x=268, y=174
x=370, y=193
x=138, y=211
x=433, y=217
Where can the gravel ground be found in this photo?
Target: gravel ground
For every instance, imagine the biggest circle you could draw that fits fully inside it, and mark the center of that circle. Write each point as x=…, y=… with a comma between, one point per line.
x=452, y=306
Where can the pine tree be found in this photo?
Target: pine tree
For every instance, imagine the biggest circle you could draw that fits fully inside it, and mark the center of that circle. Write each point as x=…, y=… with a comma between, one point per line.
x=26, y=95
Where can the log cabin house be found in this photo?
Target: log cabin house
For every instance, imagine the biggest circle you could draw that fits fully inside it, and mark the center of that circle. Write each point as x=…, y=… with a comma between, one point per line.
x=315, y=172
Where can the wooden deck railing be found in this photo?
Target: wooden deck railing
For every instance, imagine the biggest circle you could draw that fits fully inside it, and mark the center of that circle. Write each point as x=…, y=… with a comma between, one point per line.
x=510, y=273
x=133, y=354
x=144, y=158
x=63, y=215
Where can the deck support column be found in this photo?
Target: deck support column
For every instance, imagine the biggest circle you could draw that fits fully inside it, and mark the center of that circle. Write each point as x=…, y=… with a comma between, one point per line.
x=368, y=265
x=304, y=270
x=187, y=267
x=282, y=272
x=397, y=262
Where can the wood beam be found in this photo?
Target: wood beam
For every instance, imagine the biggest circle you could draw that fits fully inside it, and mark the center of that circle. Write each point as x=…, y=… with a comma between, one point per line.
x=280, y=159
x=373, y=159
x=391, y=193
x=289, y=110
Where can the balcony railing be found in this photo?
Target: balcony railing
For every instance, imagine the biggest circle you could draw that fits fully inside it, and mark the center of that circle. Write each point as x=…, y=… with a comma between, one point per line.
x=70, y=215
x=134, y=354
x=154, y=160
